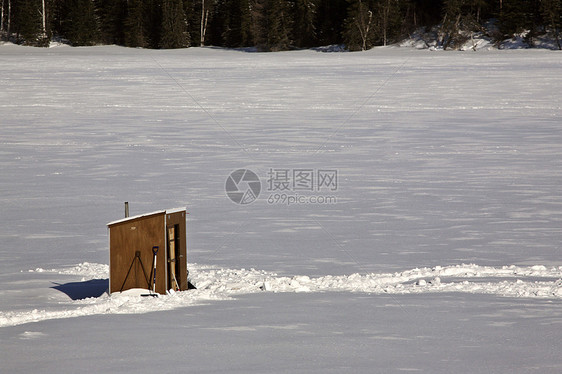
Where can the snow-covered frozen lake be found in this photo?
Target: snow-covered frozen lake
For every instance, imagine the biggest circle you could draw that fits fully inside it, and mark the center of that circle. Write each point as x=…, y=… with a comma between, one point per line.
x=437, y=247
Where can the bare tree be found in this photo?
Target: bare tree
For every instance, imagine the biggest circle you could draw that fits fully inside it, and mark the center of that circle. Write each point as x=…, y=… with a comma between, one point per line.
x=9, y=24
x=387, y=13
x=5, y=18
x=363, y=19
x=459, y=23
x=204, y=21
x=384, y=10
x=43, y=19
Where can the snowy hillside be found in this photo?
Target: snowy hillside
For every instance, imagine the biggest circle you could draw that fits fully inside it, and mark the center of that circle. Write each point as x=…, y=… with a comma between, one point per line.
x=409, y=216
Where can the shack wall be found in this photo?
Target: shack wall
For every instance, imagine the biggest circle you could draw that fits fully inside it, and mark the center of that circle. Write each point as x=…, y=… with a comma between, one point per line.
x=127, y=237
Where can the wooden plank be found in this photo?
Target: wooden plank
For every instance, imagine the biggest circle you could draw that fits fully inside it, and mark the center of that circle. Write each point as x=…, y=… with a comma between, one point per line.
x=179, y=218
x=172, y=257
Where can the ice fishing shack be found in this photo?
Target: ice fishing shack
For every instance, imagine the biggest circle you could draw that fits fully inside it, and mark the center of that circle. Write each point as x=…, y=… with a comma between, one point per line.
x=148, y=251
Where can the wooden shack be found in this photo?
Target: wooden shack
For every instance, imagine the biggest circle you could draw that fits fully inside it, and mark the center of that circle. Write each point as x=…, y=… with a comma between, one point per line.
x=149, y=251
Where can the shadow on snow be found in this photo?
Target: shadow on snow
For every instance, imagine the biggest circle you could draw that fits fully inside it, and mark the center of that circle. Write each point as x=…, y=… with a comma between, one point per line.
x=83, y=290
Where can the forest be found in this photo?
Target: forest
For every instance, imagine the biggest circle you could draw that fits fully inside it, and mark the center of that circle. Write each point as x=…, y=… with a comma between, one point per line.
x=270, y=25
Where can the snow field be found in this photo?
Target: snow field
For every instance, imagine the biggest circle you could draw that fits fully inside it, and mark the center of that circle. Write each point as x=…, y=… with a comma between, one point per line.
x=449, y=165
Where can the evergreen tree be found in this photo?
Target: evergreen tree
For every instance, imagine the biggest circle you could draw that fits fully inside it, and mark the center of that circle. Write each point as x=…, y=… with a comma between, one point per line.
x=268, y=24
x=27, y=22
x=152, y=22
x=479, y=8
x=232, y=23
x=514, y=16
x=279, y=25
x=215, y=23
x=427, y=12
x=133, y=27
x=111, y=15
x=79, y=22
x=330, y=20
x=174, y=32
x=271, y=24
x=552, y=13
x=238, y=24
x=304, y=30
x=259, y=26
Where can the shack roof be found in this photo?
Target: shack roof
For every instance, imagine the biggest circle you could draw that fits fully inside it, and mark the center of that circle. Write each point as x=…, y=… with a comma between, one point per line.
x=167, y=211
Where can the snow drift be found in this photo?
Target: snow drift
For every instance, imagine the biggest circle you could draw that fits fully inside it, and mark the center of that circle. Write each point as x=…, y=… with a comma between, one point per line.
x=222, y=284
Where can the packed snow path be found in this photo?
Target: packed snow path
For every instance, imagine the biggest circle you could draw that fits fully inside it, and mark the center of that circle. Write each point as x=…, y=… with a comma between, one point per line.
x=222, y=284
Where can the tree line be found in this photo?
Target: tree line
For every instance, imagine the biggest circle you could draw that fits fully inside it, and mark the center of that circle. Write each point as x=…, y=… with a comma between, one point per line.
x=268, y=25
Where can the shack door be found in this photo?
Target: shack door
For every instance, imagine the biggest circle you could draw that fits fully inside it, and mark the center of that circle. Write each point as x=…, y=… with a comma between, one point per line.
x=173, y=254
